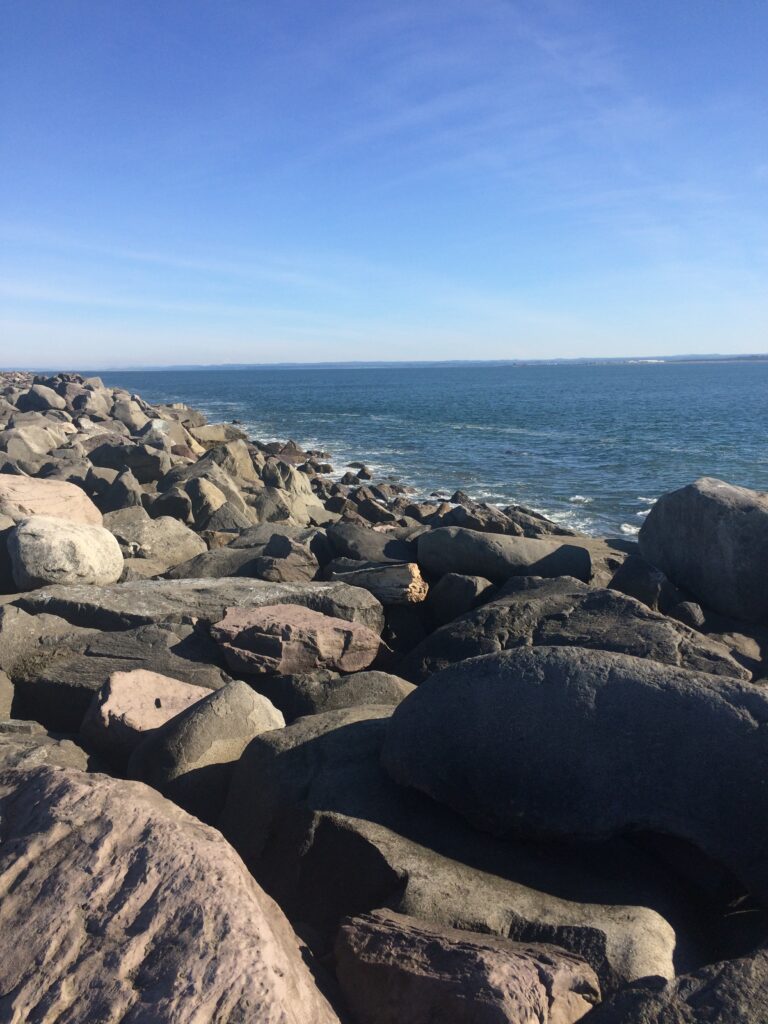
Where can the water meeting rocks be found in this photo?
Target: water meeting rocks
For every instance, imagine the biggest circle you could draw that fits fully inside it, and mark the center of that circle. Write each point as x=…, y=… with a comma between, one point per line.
x=130, y=909
x=569, y=742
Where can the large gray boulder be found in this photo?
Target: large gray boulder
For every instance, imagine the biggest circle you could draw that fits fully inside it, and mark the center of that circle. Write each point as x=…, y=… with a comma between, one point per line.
x=729, y=992
x=575, y=743
x=712, y=539
x=534, y=612
x=365, y=544
x=497, y=557
x=163, y=540
x=132, y=910
x=142, y=602
x=395, y=969
x=190, y=759
x=329, y=834
x=47, y=551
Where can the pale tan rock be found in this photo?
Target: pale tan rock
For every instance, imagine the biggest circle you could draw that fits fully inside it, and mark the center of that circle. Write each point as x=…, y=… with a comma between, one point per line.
x=284, y=639
x=119, y=906
x=395, y=969
x=44, y=550
x=130, y=705
x=391, y=583
x=22, y=496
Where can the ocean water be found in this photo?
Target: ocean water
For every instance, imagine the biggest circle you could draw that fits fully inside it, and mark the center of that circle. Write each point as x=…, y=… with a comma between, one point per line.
x=592, y=446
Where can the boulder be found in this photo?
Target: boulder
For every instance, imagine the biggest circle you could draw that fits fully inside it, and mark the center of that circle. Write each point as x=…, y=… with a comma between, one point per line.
x=146, y=462
x=285, y=639
x=22, y=496
x=368, y=545
x=534, y=612
x=175, y=503
x=130, y=705
x=6, y=696
x=141, y=602
x=328, y=834
x=482, y=517
x=46, y=551
x=39, y=398
x=712, y=539
x=216, y=433
x=454, y=595
x=32, y=747
x=132, y=910
x=315, y=692
x=585, y=744
x=131, y=414
x=395, y=969
x=191, y=758
x=163, y=540
x=730, y=992
x=497, y=557
x=123, y=492
x=392, y=583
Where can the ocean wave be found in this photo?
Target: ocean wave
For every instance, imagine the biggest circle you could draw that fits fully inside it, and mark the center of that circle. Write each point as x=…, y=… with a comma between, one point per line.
x=647, y=501
x=629, y=529
x=580, y=499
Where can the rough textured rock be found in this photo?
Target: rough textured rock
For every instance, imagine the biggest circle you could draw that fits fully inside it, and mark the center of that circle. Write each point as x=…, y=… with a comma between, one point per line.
x=329, y=834
x=53, y=551
x=191, y=758
x=163, y=540
x=367, y=545
x=712, y=539
x=395, y=969
x=6, y=696
x=39, y=398
x=533, y=612
x=391, y=583
x=454, y=595
x=284, y=639
x=30, y=748
x=22, y=496
x=315, y=692
x=142, y=602
x=170, y=927
x=132, y=704
x=497, y=557
x=579, y=743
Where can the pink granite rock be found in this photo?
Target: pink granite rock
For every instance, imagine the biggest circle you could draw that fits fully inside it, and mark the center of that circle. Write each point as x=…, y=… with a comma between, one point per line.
x=22, y=496
x=117, y=905
x=395, y=969
x=286, y=639
x=130, y=705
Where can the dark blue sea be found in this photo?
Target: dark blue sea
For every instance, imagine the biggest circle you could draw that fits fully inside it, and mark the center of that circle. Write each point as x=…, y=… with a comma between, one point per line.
x=590, y=445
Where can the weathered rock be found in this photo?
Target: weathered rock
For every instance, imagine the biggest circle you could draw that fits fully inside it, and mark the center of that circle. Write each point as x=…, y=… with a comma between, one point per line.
x=21, y=497
x=639, y=579
x=329, y=834
x=39, y=399
x=280, y=560
x=142, y=602
x=54, y=551
x=163, y=540
x=216, y=433
x=482, y=517
x=168, y=927
x=146, y=462
x=533, y=612
x=131, y=414
x=285, y=639
x=315, y=692
x=712, y=539
x=174, y=502
x=534, y=524
x=586, y=744
x=22, y=748
x=130, y=705
x=191, y=758
x=368, y=545
x=6, y=696
x=730, y=992
x=395, y=969
x=454, y=595
x=392, y=583
x=497, y=557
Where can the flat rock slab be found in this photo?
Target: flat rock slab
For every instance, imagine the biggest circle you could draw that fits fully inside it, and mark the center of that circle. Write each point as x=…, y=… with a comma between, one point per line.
x=132, y=910
x=533, y=612
x=22, y=496
x=284, y=639
x=143, y=602
x=132, y=704
x=569, y=742
x=395, y=969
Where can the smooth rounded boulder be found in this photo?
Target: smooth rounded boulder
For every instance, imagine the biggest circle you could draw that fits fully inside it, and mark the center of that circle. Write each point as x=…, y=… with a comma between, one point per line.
x=584, y=744
x=47, y=551
x=711, y=538
x=132, y=910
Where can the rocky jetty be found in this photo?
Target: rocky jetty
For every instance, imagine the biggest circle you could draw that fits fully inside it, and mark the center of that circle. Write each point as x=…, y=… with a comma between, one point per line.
x=282, y=743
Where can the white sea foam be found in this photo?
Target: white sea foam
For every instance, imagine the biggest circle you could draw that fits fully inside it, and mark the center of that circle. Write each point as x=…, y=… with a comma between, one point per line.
x=580, y=499
x=647, y=501
x=629, y=529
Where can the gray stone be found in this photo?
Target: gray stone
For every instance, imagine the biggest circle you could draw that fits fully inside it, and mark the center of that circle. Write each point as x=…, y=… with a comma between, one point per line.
x=395, y=969
x=191, y=758
x=367, y=545
x=712, y=539
x=132, y=910
x=151, y=601
x=298, y=695
x=497, y=557
x=164, y=540
x=35, y=748
x=454, y=595
x=39, y=399
x=46, y=551
x=586, y=744
x=533, y=612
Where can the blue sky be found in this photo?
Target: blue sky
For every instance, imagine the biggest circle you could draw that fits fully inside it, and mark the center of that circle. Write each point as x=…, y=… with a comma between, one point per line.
x=231, y=181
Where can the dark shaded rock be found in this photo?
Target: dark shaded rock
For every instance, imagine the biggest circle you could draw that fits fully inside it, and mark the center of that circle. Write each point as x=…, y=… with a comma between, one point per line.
x=366, y=545
x=481, y=517
x=639, y=579
x=585, y=744
x=712, y=539
x=454, y=595
x=31, y=749
x=124, y=492
x=316, y=692
x=534, y=612
x=174, y=502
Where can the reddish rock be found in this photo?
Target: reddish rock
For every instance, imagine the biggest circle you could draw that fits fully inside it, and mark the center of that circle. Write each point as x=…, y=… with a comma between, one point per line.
x=23, y=496
x=118, y=905
x=395, y=969
x=286, y=639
